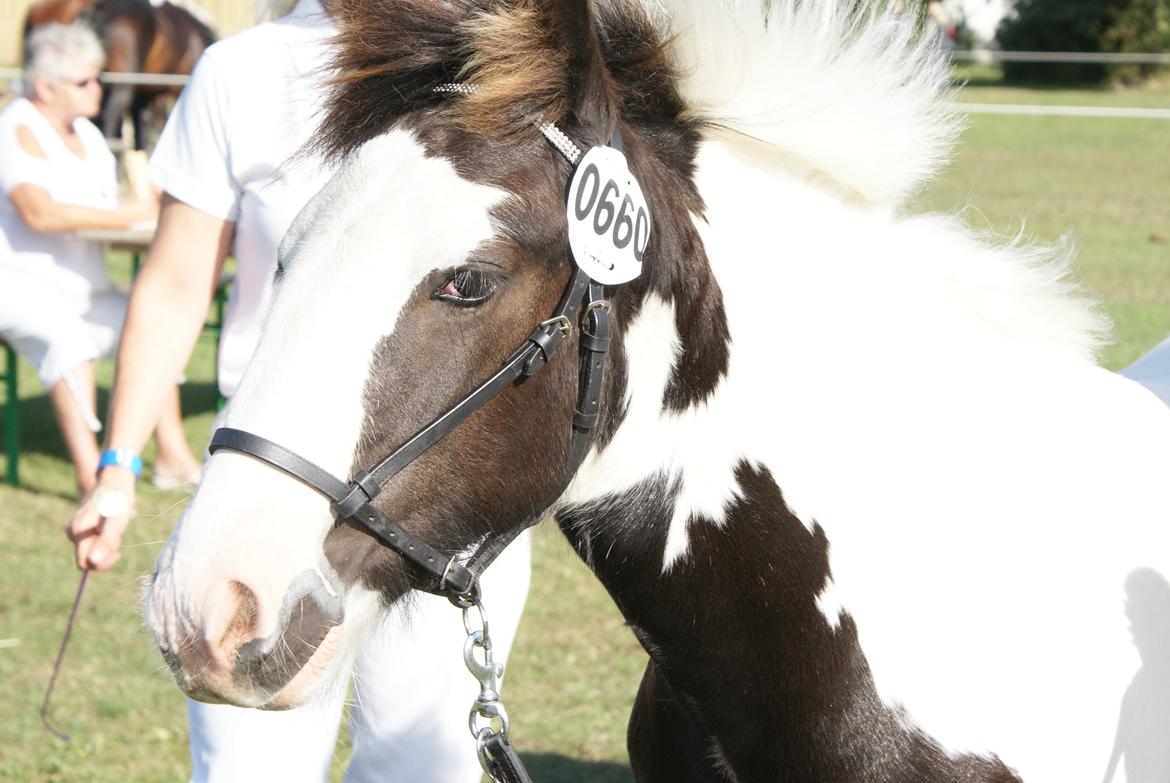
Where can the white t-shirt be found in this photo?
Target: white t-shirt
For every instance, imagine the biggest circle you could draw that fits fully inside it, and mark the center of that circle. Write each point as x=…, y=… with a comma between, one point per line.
x=73, y=266
x=251, y=103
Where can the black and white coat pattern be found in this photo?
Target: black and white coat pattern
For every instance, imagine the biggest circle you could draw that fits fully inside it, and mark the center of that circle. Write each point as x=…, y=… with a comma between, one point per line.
x=859, y=490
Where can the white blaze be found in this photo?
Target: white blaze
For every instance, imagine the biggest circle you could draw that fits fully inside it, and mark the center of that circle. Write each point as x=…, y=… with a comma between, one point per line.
x=387, y=219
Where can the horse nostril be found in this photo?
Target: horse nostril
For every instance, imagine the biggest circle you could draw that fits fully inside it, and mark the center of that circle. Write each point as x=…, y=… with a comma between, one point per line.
x=242, y=628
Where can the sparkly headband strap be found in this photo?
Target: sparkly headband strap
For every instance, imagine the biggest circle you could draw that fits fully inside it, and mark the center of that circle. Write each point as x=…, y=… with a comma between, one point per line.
x=555, y=135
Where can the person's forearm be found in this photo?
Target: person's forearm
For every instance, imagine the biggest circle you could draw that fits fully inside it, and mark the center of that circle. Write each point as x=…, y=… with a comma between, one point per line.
x=41, y=212
x=162, y=324
x=69, y=217
x=167, y=310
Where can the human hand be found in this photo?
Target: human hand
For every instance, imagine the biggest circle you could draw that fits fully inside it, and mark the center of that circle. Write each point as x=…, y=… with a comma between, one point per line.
x=96, y=538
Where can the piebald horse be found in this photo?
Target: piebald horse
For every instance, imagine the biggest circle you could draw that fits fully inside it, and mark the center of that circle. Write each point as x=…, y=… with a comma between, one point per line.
x=858, y=487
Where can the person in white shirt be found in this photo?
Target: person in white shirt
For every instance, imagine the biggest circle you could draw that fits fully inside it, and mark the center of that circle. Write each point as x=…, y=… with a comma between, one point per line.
x=230, y=186
x=58, y=307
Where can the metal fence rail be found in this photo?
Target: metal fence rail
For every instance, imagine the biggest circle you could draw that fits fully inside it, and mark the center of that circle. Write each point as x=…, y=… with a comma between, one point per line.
x=110, y=77
x=10, y=75
x=960, y=55
x=1042, y=110
x=1085, y=58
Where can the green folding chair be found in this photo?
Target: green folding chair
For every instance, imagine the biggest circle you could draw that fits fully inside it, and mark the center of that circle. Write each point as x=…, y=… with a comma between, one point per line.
x=11, y=417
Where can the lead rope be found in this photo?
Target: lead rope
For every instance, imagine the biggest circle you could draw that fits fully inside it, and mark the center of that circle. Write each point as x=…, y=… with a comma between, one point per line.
x=60, y=657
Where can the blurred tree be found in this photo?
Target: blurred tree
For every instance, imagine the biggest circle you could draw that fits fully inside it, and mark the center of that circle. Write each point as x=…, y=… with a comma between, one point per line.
x=1144, y=26
x=1084, y=26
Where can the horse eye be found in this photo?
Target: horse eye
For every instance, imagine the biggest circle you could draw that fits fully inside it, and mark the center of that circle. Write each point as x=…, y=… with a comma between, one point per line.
x=466, y=287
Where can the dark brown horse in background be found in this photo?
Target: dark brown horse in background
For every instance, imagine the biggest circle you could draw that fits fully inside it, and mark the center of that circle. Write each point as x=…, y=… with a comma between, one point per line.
x=138, y=37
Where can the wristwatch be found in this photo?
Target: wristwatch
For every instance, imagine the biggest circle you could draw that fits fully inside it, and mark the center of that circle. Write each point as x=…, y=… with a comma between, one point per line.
x=112, y=501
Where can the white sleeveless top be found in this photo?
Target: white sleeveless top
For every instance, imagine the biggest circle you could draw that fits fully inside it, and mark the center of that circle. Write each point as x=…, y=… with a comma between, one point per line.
x=71, y=265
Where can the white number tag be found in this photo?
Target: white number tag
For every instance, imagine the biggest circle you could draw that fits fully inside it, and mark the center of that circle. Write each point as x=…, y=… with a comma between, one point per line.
x=609, y=224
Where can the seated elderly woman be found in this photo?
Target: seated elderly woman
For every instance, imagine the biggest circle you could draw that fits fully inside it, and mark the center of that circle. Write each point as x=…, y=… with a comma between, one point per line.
x=58, y=307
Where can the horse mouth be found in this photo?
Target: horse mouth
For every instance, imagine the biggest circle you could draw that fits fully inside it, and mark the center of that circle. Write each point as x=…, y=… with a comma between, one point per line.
x=299, y=655
x=278, y=671
x=284, y=678
x=301, y=687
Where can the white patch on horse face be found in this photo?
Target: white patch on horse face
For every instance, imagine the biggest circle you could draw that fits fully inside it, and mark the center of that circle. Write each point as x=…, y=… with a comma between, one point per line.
x=390, y=217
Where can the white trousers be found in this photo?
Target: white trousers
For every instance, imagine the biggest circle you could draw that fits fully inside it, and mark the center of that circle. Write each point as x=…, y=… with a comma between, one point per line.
x=1153, y=370
x=411, y=699
x=52, y=330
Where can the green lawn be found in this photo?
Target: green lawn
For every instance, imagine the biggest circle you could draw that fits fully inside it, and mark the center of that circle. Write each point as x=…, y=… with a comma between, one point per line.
x=983, y=84
x=575, y=669
x=1104, y=183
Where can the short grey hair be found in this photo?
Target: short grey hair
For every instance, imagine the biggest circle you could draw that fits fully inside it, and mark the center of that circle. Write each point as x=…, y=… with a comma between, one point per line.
x=53, y=48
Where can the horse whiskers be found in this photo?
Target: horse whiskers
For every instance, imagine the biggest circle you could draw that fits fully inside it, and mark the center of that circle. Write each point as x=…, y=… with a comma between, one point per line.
x=144, y=544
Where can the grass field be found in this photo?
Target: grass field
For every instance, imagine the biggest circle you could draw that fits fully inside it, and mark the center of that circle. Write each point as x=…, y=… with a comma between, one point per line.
x=574, y=668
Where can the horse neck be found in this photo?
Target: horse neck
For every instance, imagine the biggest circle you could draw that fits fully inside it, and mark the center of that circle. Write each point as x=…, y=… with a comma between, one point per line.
x=728, y=590
x=756, y=673
x=694, y=543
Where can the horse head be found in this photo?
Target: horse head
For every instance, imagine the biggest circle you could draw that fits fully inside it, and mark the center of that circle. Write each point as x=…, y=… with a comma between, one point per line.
x=415, y=273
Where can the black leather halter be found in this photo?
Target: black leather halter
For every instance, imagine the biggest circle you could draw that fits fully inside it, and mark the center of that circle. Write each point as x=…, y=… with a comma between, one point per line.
x=585, y=302
x=352, y=503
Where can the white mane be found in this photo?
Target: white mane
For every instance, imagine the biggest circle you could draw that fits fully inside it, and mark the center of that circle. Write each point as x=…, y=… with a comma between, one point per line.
x=848, y=96
x=857, y=95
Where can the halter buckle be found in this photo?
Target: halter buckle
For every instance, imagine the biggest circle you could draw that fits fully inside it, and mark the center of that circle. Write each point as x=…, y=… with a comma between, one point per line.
x=562, y=322
x=600, y=304
x=462, y=600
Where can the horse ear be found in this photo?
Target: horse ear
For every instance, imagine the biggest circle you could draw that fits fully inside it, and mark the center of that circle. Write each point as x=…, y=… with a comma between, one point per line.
x=538, y=60
x=592, y=91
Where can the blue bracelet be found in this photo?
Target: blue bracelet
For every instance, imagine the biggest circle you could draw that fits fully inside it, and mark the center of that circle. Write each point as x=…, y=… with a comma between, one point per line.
x=123, y=458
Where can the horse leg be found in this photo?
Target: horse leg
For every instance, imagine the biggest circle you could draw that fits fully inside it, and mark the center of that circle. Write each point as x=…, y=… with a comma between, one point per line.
x=140, y=107
x=664, y=744
x=114, y=107
x=123, y=55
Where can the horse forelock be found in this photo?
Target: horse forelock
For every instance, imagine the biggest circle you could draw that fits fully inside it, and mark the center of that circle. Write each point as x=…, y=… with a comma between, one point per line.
x=533, y=61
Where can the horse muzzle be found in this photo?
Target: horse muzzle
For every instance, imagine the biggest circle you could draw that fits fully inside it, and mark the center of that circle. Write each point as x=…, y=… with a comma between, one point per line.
x=227, y=653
